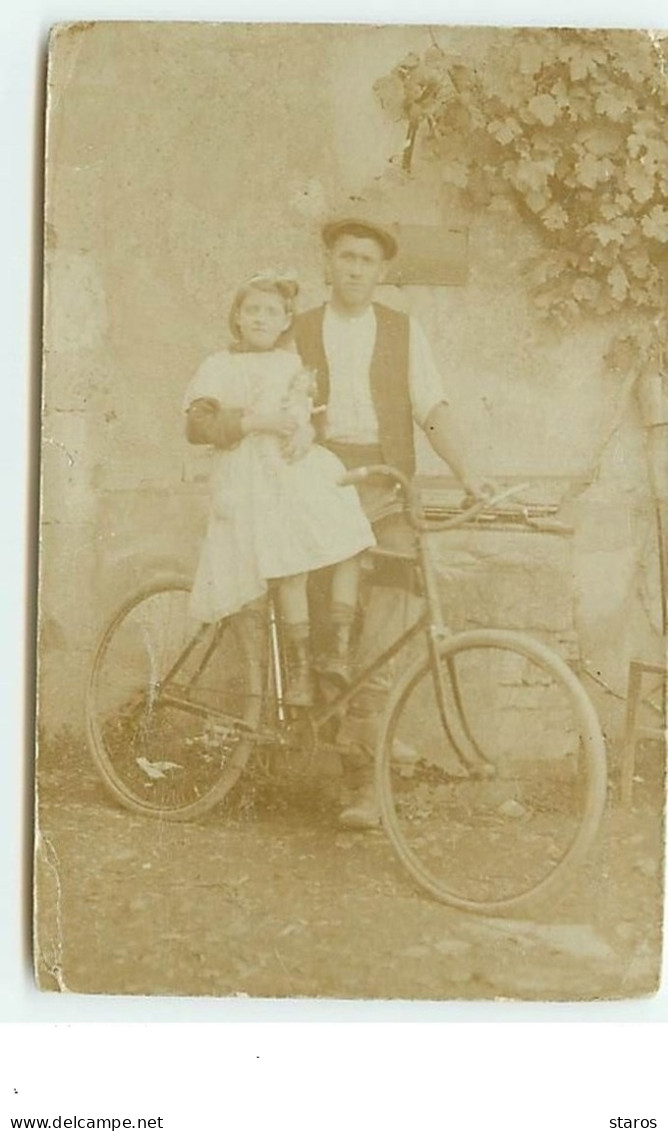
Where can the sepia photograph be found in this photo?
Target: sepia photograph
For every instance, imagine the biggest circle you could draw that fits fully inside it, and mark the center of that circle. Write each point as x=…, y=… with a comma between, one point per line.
x=353, y=512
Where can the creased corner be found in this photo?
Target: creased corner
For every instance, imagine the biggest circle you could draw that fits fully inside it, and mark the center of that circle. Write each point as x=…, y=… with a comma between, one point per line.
x=48, y=917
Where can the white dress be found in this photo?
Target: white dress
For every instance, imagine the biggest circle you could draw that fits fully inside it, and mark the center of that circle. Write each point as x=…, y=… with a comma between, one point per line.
x=270, y=516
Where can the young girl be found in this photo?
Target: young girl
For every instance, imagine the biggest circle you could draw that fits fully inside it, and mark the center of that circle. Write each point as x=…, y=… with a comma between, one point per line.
x=278, y=510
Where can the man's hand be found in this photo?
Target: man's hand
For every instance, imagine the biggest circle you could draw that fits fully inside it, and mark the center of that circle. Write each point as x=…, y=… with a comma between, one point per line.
x=478, y=491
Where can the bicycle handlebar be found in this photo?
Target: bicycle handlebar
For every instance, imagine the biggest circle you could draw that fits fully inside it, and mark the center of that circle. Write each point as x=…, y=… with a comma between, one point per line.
x=466, y=515
x=415, y=510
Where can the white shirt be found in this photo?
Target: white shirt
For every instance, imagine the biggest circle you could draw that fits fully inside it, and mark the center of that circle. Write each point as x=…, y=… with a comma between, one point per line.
x=349, y=344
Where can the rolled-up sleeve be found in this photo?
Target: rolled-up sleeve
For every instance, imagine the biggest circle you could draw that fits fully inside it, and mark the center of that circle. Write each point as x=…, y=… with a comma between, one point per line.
x=208, y=419
x=424, y=380
x=207, y=422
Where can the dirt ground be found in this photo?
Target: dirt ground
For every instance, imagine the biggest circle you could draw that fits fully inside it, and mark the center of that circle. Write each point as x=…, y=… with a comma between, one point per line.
x=268, y=898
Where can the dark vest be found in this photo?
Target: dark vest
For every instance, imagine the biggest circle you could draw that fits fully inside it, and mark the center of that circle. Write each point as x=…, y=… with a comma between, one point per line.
x=388, y=377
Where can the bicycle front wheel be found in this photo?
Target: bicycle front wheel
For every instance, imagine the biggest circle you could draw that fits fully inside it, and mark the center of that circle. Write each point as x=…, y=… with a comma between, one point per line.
x=171, y=705
x=509, y=786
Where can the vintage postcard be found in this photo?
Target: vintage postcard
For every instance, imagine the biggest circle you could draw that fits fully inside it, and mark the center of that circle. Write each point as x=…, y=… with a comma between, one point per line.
x=352, y=597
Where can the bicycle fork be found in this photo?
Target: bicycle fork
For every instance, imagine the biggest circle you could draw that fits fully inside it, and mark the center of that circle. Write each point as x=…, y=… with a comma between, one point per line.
x=448, y=691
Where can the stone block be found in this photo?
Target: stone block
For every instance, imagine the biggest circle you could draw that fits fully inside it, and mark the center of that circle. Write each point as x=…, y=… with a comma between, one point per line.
x=506, y=581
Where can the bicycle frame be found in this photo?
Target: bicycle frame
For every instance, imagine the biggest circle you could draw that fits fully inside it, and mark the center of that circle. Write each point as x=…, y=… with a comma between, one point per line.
x=431, y=623
x=230, y=678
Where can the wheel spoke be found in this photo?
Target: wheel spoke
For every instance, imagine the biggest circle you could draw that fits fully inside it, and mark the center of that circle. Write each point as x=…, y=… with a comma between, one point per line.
x=171, y=705
x=505, y=825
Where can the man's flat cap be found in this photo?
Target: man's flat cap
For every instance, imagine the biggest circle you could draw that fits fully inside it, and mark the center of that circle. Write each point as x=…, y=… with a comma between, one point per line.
x=363, y=229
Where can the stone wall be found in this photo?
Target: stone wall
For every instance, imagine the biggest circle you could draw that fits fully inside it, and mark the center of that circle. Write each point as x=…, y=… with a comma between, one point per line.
x=182, y=159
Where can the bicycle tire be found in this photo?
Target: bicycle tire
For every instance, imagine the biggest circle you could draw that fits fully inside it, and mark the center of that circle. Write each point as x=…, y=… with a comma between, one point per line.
x=492, y=829
x=165, y=749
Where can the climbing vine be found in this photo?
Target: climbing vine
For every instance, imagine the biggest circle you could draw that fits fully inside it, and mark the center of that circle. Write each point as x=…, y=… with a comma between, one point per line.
x=571, y=125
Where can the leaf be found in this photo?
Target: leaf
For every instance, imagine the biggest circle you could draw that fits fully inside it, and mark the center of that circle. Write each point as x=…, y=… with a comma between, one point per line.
x=605, y=256
x=613, y=232
x=532, y=175
x=591, y=170
x=638, y=263
x=536, y=201
x=545, y=108
x=635, y=143
x=409, y=62
x=504, y=130
x=637, y=60
x=656, y=153
x=582, y=60
x=586, y=290
x=574, y=122
x=601, y=140
x=555, y=217
x=531, y=58
x=579, y=104
x=640, y=182
x=546, y=267
x=614, y=104
x=544, y=144
x=647, y=124
x=504, y=82
x=561, y=94
x=655, y=224
x=651, y=152
x=609, y=208
x=619, y=283
x=655, y=288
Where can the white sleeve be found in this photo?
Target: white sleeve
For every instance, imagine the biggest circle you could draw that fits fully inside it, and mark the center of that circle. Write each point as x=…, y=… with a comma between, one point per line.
x=208, y=381
x=424, y=380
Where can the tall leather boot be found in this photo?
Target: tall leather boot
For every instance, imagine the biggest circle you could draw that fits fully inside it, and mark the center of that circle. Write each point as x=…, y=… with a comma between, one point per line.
x=337, y=664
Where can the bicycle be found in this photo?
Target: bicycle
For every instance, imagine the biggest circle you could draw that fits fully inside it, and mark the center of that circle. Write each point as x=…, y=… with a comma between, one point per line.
x=506, y=791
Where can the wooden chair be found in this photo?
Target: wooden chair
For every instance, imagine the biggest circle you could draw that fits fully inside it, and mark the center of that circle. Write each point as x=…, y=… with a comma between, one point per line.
x=634, y=729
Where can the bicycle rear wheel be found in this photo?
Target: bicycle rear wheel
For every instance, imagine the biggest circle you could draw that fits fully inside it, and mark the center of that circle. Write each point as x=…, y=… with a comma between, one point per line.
x=510, y=784
x=171, y=705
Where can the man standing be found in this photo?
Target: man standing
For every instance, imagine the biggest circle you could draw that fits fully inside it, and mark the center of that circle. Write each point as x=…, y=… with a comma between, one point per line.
x=376, y=374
